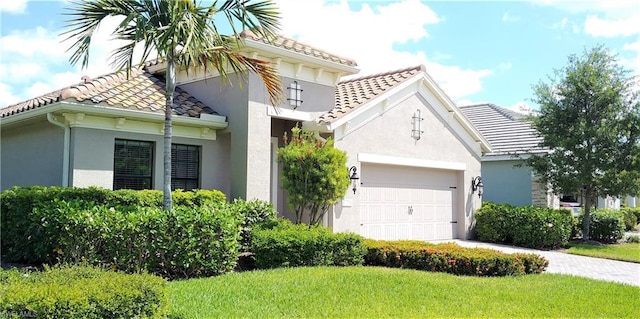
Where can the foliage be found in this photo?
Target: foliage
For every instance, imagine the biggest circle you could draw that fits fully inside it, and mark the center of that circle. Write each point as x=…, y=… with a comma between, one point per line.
x=253, y=213
x=376, y=292
x=590, y=120
x=631, y=217
x=283, y=244
x=183, y=34
x=633, y=239
x=525, y=226
x=34, y=218
x=629, y=251
x=314, y=174
x=607, y=225
x=81, y=292
x=451, y=258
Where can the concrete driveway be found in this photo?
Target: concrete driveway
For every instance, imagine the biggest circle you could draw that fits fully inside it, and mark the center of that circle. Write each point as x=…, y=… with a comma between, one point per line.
x=562, y=263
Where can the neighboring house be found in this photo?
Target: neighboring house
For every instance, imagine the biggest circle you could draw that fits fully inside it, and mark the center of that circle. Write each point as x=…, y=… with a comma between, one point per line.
x=414, y=151
x=505, y=177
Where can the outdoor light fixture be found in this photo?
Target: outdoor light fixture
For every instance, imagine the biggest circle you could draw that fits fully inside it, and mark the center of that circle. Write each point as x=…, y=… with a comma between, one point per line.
x=416, y=120
x=295, y=94
x=353, y=176
x=476, y=185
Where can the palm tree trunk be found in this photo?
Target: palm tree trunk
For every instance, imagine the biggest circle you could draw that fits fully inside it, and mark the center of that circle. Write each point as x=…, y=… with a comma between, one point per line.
x=171, y=85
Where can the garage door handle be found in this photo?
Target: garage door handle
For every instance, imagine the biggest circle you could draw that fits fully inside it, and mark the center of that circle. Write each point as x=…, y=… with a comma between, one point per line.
x=410, y=210
x=454, y=222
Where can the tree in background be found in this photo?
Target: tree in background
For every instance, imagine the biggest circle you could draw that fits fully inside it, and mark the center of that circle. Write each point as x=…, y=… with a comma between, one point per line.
x=590, y=121
x=185, y=35
x=314, y=174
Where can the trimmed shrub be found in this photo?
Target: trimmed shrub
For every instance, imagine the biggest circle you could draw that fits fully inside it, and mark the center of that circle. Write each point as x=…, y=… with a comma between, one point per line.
x=607, y=225
x=525, y=226
x=253, y=213
x=81, y=292
x=34, y=218
x=451, y=258
x=181, y=243
x=633, y=239
x=631, y=216
x=283, y=244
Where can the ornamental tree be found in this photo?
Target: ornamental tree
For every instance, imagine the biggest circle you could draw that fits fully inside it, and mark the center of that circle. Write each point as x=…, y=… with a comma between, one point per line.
x=314, y=174
x=590, y=121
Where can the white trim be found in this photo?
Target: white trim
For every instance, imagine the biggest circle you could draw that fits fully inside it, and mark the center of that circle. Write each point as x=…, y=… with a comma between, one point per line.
x=289, y=114
x=413, y=162
x=274, y=172
x=509, y=157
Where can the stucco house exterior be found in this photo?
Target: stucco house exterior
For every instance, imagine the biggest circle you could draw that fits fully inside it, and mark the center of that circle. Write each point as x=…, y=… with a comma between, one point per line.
x=512, y=139
x=505, y=177
x=413, y=149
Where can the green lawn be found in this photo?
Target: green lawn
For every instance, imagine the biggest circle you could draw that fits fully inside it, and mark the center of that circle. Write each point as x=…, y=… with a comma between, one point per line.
x=625, y=252
x=372, y=292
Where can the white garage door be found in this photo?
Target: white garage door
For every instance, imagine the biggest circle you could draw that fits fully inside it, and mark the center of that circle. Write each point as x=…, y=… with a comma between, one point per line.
x=398, y=202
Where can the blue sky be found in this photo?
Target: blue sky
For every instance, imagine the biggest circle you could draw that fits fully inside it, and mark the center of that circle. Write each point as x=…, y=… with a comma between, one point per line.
x=477, y=51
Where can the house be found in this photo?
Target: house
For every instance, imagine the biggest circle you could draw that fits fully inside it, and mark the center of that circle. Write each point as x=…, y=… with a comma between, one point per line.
x=505, y=177
x=414, y=150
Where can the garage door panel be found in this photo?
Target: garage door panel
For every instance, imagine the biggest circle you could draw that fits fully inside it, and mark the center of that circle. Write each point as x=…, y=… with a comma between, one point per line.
x=402, y=207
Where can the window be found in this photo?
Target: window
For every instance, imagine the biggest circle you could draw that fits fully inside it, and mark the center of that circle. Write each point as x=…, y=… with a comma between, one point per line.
x=132, y=164
x=185, y=167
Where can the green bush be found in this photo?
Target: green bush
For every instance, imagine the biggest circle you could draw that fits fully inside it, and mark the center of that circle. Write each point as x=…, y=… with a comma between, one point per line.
x=283, y=244
x=633, y=239
x=451, y=258
x=81, y=292
x=607, y=225
x=181, y=243
x=253, y=213
x=631, y=215
x=525, y=226
x=33, y=219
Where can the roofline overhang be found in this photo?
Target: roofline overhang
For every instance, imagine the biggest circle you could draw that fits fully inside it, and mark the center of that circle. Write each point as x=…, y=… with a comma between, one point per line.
x=216, y=122
x=298, y=57
x=494, y=157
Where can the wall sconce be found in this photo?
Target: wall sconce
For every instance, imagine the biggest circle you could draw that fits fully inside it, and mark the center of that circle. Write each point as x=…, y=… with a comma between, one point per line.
x=476, y=185
x=416, y=121
x=353, y=176
x=295, y=94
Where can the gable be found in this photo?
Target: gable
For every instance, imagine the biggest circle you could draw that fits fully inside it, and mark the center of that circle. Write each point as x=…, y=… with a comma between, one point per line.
x=360, y=101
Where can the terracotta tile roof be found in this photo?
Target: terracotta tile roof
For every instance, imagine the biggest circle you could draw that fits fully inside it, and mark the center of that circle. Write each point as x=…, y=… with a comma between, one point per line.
x=141, y=91
x=294, y=45
x=353, y=93
x=507, y=131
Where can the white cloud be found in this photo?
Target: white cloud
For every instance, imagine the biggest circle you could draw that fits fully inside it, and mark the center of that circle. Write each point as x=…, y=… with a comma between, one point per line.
x=598, y=27
x=521, y=107
x=633, y=63
x=41, y=54
x=13, y=6
x=369, y=33
x=508, y=18
x=7, y=97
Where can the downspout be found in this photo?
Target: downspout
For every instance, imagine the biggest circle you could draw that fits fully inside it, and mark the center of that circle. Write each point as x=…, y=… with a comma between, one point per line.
x=65, y=154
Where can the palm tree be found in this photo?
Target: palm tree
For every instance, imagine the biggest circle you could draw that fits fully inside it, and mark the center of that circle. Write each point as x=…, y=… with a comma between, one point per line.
x=184, y=35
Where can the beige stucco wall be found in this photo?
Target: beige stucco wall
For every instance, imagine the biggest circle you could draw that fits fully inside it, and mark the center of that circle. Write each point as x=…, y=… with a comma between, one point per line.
x=389, y=134
x=31, y=155
x=92, y=158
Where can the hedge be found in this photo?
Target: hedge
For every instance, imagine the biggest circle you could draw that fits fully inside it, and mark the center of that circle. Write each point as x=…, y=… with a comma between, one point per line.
x=606, y=225
x=451, y=258
x=631, y=217
x=81, y=292
x=182, y=243
x=253, y=213
x=283, y=244
x=525, y=226
x=25, y=234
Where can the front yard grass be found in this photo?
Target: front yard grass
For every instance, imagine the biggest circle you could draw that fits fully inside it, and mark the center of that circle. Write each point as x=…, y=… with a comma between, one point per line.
x=375, y=292
x=624, y=252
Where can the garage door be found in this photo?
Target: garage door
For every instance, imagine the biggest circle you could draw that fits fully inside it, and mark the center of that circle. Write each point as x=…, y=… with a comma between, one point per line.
x=399, y=202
